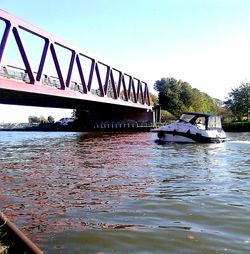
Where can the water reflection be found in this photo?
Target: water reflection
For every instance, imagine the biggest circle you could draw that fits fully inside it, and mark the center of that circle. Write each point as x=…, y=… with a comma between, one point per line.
x=182, y=169
x=56, y=182
x=61, y=182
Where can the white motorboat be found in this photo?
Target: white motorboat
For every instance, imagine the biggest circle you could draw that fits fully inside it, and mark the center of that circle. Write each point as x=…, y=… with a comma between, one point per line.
x=193, y=127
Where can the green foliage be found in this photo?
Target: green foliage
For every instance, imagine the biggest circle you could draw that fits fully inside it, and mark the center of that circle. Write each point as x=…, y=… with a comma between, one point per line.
x=166, y=116
x=154, y=99
x=236, y=126
x=178, y=96
x=239, y=100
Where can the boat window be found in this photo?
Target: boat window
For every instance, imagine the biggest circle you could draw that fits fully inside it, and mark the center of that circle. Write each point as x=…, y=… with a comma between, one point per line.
x=186, y=117
x=214, y=122
x=201, y=123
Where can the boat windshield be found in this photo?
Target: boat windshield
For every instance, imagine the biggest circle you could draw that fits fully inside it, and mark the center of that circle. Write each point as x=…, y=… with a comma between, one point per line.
x=186, y=117
x=214, y=122
x=197, y=120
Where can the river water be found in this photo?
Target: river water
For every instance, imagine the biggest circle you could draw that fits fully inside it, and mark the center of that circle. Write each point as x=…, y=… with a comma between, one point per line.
x=126, y=193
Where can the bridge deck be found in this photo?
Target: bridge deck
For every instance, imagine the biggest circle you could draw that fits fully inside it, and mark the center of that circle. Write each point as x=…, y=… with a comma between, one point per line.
x=20, y=93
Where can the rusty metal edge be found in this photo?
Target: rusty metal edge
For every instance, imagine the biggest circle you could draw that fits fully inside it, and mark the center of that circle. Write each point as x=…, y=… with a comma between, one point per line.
x=20, y=235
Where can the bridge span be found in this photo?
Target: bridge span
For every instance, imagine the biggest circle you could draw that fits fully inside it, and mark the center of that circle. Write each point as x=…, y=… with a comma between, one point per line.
x=100, y=88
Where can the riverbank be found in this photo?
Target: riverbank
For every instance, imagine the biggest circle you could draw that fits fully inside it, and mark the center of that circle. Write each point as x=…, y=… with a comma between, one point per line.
x=236, y=126
x=46, y=127
x=114, y=127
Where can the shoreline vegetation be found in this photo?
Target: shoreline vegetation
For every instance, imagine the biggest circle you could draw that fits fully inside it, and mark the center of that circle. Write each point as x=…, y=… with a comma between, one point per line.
x=176, y=96
x=241, y=126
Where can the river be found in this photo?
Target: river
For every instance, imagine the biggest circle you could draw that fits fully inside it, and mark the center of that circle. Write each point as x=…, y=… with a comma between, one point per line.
x=125, y=193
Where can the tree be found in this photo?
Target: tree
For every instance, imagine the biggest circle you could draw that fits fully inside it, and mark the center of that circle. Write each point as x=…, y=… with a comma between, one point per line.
x=154, y=99
x=43, y=120
x=51, y=119
x=239, y=100
x=169, y=95
x=34, y=120
x=177, y=96
x=186, y=94
x=83, y=117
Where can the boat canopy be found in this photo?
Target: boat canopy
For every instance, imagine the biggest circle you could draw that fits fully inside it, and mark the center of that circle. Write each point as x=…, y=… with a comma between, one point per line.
x=202, y=121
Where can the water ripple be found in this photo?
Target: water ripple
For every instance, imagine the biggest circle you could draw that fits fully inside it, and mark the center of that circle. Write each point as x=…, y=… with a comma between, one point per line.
x=126, y=186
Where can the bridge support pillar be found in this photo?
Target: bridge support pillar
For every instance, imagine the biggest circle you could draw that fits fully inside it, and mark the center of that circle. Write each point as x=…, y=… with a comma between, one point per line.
x=157, y=113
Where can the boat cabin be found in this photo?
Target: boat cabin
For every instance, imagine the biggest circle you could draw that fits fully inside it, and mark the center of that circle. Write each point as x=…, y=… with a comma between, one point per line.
x=202, y=121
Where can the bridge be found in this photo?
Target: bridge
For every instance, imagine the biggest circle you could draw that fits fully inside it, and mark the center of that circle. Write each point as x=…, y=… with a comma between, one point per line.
x=105, y=90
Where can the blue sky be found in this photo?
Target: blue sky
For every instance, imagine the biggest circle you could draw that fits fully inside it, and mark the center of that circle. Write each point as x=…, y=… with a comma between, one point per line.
x=203, y=42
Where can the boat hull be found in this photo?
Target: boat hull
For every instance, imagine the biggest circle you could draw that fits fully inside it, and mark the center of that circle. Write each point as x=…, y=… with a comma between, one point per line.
x=187, y=137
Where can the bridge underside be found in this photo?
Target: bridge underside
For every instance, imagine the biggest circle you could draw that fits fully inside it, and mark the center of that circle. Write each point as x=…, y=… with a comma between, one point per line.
x=18, y=93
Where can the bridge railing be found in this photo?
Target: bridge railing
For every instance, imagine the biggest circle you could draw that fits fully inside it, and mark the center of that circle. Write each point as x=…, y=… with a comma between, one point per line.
x=11, y=74
x=19, y=74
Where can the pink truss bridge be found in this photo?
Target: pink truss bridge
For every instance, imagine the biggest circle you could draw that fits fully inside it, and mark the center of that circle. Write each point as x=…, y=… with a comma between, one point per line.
x=115, y=89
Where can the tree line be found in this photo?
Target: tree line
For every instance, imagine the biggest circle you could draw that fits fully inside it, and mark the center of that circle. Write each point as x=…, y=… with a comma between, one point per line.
x=34, y=120
x=238, y=101
x=177, y=96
